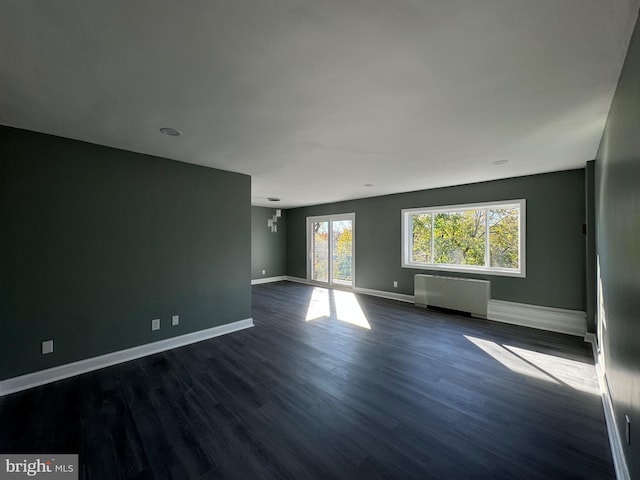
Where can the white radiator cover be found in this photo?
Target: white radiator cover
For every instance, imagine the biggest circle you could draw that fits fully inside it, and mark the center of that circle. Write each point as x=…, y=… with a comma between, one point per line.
x=463, y=294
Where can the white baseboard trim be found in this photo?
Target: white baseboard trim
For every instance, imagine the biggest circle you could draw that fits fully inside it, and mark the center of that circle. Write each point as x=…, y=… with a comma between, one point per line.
x=615, y=440
x=289, y=278
x=258, y=281
x=30, y=380
x=365, y=291
x=593, y=340
x=572, y=322
x=381, y=293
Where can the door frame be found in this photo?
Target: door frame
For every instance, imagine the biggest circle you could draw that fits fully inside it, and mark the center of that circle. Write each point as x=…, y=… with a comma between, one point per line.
x=332, y=218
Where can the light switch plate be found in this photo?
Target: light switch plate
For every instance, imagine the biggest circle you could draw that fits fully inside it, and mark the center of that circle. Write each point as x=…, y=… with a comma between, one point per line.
x=47, y=347
x=627, y=422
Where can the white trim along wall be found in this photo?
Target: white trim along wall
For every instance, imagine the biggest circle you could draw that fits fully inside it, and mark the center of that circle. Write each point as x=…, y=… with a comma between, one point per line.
x=23, y=382
x=615, y=439
x=571, y=322
x=258, y=281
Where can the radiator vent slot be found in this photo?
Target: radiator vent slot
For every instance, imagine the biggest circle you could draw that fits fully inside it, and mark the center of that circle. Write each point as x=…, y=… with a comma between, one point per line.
x=462, y=294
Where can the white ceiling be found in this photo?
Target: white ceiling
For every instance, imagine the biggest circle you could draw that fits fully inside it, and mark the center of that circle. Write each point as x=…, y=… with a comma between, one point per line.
x=314, y=99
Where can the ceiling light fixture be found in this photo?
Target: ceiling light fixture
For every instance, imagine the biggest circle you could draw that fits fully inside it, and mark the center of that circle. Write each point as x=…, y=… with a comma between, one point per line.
x=172, y=132
x=500, y=162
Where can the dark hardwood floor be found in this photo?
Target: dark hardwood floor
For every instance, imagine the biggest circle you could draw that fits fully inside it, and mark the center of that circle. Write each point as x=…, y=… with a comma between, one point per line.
x=421, y=394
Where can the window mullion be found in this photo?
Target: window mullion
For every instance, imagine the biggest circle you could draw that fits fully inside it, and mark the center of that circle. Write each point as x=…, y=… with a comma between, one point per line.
x=487, y=250
x=409, y=235
x=433, y=258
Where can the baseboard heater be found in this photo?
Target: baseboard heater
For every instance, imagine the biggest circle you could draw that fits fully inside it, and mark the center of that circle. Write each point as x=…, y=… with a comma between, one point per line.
x=462, y=294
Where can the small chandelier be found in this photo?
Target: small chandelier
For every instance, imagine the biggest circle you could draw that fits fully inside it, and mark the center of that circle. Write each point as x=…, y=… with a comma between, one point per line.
x=272, y=223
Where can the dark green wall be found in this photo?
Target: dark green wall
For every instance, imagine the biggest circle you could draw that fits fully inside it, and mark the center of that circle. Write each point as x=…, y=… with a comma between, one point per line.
x=618, y=249
x=555, y=243
x=97, y=242
x=267, y=248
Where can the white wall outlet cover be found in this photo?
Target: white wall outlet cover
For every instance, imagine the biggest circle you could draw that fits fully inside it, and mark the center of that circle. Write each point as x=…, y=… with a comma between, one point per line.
x=395, y=284
x=155, y=324
x=264, y=271
x=47, y=347
x=175, y=320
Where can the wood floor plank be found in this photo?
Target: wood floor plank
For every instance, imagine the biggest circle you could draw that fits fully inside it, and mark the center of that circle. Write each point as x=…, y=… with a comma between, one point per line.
x=421, y=394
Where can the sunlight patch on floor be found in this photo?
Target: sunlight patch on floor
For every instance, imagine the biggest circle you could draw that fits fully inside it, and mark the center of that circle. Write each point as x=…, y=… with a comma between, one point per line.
x=561, y=371
x=348, y=309
x=319, y=306
x=345, y=307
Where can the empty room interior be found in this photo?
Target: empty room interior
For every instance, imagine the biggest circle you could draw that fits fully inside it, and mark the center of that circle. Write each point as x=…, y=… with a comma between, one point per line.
x=293, y=239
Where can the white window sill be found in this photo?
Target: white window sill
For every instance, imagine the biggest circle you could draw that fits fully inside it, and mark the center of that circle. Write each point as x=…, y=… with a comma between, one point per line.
x=467, y=269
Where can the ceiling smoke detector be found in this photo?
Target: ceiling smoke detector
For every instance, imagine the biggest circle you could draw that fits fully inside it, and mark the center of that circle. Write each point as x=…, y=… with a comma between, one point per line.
x=172, y=132
x=273, y=199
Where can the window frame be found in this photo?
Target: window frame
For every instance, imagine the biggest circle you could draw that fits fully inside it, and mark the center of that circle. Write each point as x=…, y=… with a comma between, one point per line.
x=485, y=270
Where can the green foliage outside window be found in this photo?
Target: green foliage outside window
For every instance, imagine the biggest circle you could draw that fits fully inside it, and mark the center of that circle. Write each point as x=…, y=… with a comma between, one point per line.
x=503, y=237
x=320, y=245
x=343, y=239
x=460, y=237
x=421, y=244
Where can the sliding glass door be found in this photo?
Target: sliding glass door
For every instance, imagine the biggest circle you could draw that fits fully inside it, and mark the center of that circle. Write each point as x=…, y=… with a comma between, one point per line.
x=330, y=244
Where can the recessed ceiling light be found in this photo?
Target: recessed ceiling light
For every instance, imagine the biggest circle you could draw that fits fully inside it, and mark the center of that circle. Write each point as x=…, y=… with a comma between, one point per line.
x=500, y=162
x=368, y=184
x=273, y=199
x=172, y=132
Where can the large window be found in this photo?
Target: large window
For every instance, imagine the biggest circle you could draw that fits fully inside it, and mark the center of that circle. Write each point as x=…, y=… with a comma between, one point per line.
x=482, y=237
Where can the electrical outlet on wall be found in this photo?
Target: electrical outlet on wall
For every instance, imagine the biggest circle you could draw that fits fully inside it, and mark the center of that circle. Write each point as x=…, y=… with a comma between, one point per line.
x=395, y=284
x=47, y=347
x=175, y=320
x=264, y=271
x=155, y=324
